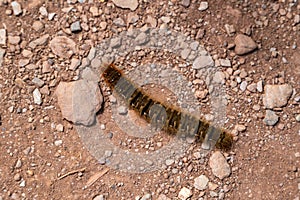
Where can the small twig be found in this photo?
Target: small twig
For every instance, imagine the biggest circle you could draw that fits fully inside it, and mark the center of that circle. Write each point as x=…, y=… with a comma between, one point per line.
x=95, y=177
x=71, y=172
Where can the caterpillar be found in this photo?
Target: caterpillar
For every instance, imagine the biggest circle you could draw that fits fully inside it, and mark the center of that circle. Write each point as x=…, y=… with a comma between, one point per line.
x=172, y=120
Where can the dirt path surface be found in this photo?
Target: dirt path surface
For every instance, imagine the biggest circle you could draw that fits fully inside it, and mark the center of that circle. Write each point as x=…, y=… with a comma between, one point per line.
x=253, y=45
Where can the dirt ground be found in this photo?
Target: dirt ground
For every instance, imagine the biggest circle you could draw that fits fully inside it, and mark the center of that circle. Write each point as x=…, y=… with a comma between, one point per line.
x=42, y=155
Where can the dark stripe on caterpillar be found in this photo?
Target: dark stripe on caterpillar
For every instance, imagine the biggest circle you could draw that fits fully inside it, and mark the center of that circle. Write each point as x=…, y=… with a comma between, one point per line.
x=173, y=121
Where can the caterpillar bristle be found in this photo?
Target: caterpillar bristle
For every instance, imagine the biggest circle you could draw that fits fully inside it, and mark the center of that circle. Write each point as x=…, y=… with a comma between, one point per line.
x=172, y=120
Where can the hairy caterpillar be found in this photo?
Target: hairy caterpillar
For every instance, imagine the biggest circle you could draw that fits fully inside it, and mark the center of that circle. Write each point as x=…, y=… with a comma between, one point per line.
x=172, y=120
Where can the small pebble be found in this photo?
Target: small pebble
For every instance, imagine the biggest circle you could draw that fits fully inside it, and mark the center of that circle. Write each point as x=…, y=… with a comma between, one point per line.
x=122, y=110
x=270, y=118
x=16, y=8
x=17, y=177
x=298, y=118
x=59, y=127
x=203, y=5
x=185, y=193
x=58, y=142
x=169, y=162
x=18, y=164
x=76, y=27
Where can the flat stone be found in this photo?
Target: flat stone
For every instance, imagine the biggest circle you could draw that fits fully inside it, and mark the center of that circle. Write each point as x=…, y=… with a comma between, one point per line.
x=59, y=128
x=92, y=53
x=95, y=11
x=230, y=29
x=165, y=19
x=75, y=26
x=31, y=66
x=38, y=26
x=115, y=42
x=132, y=18
x=163, y=197
x=37, y=97
x=185, y=193
x=200, y=182
x=185, y=3
x=151, y=21
x=58, y=142
x=38, y=42
x=18, y=164
x=142, y=39
x=79, y=101
x=43, y=11
x=17, y=9
x=23, y=62
x=126, y=4
x=260, y=86
x=2, y=37
x=51, y=16
x=270, y=118
x=119, y=22
x=219, y=77
x=219, y=166
x=194, y=45
x=14, y=40
x=26, y=53
x=103, y=25
x=74, y=64
x=23, y=183
x=298, y=118
x=88, y=74
x=99, y=197
x=169, y=162
x=63, y=46
x=122, y=110
x=203, y=62
x=2, y=54
x=38, y=82
x=277, y=96
x=203, y=6
x=146, y=197
x=252, y=87
x=225, y=62
x=244, y=44
x=96, y=63
x=185, y=53
x=243, y=85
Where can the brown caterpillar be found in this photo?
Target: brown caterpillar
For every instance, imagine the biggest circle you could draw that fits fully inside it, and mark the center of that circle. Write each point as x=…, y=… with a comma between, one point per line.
x=172, y=120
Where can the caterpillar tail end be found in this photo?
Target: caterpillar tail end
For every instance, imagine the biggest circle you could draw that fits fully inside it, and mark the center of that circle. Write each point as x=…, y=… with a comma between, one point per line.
x=225, y=141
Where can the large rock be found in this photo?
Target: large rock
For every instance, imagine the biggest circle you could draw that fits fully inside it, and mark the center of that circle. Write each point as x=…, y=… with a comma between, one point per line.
x=219, y=166
x=131, y=4
x=62, y=46
x=79, y=101
x=277, y=96
x=244, y=44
